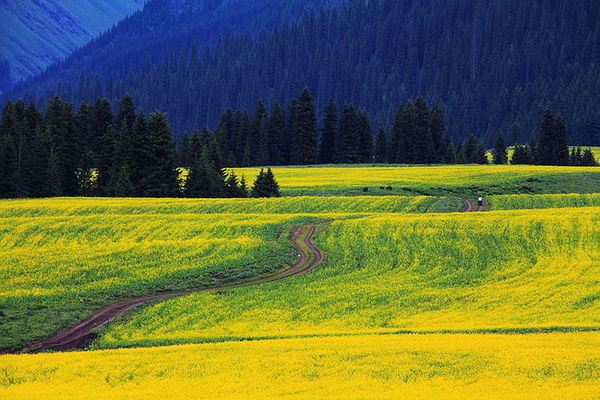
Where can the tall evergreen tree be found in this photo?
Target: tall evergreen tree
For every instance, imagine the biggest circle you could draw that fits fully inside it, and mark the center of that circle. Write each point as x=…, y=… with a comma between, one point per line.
x=500, y=153
x=161, y=174
x=280, y=140
x=265, y=185
x=381, y=147
x=347, y=139
x=330, y=128
x=553, y=148
x=365, y=138
x=304, y=149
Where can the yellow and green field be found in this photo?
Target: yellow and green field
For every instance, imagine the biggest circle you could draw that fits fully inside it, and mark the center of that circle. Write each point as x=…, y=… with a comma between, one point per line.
x=433, y=180
x=409, y=303
x=439, y=366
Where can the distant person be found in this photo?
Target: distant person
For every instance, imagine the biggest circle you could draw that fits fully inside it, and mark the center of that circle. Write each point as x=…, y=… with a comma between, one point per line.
x=480, y=202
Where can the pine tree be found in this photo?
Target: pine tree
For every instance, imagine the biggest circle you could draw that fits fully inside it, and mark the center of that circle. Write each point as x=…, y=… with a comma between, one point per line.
x=140, y=153
x=266, y=185
x=588, y=159
x=203, y=180
x=280, y=140
x=437, y=124
x=474, y=151
x=262, y=149
x=330, y=128
x=381, y=147
x=500, y=152
x=162, y=175
x=304, y=149
x=232, y=186
x=365, y=138
x=423, y=151
x=126, y=113
x=347, y=139
x=553, y=147
x=8, y=153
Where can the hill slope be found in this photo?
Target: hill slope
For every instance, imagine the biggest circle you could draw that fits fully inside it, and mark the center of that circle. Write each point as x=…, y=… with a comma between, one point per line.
x=37, y=33
x=492, y=65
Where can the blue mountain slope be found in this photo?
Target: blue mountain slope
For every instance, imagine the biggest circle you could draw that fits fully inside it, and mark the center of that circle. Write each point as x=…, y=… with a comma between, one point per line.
x=37, y=33
x=165, y=26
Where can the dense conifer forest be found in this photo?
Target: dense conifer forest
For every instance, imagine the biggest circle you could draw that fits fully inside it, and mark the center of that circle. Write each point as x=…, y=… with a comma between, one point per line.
x=492, y=66
x=99, y=150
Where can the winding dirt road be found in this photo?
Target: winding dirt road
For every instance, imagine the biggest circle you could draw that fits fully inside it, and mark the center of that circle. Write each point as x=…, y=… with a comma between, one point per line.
x=82, y=334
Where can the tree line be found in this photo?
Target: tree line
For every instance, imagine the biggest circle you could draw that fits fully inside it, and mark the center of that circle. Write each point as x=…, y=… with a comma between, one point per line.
x=97, y=152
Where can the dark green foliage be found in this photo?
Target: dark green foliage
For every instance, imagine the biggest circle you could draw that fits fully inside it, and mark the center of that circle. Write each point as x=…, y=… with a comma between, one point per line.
x=474, y=151
x=381, y=147
x=265, y=185
x=347, y=139
x=500, y=152
x=161, y=176
x=303, y=128
x=279, y=138
x=327, y=145
x=419, y=135
x=553, y=147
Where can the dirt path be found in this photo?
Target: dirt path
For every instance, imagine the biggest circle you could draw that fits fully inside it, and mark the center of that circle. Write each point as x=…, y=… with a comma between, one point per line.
x=81, y=335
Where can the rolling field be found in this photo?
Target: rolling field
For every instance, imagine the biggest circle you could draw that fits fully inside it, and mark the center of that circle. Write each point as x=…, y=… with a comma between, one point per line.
x=515, y=202
x=461, y=180
x=548, y=366
x=501, y=304
x=495, y=271
x=69, y=257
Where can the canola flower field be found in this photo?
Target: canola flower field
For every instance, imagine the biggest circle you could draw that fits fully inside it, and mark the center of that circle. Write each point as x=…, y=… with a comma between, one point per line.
x=492, y=271
x=432, y=180
x=549, y=366
x=501, y=304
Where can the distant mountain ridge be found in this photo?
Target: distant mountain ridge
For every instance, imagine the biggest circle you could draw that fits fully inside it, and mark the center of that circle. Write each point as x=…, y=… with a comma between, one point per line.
x=36, y=33
x=164, y=26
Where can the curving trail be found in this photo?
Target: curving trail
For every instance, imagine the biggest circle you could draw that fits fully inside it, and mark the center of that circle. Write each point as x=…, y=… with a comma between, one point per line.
x=82, y=334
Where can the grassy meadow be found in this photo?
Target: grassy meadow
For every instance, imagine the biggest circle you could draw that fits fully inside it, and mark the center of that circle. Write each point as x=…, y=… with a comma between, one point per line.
x=414, y=297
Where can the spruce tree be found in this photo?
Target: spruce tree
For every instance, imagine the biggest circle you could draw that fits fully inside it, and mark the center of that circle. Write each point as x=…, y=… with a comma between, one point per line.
x=327, y=146
x=381, y=147
x=260, y=145
x=304, y=149
x=280, y=140
x=266, y=185
x=588, y=159
x=500, y=153
x=162, y=175
x=365, y=138
x=126, y=114
x=347, y=139
x=8, y=153
x=553, y=147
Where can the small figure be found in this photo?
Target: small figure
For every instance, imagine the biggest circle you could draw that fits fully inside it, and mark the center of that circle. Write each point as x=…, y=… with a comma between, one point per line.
x=480, y=202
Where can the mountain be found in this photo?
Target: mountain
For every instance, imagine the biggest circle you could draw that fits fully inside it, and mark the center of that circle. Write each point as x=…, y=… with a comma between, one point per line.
x=491, y=65
x=37, y=33
x=165, y=26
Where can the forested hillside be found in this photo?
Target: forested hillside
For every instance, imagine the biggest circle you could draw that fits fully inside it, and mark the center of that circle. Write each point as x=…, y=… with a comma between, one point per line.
x=35, y=34
x=164, y=26
x=490, y=65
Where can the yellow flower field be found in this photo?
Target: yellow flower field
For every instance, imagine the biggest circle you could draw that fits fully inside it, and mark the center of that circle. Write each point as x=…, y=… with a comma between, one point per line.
x=352, y=179
x=549, y=366
x=392, y=272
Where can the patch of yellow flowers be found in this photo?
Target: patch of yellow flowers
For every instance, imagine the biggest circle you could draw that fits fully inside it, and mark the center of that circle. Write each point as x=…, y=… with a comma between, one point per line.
x=441, y=366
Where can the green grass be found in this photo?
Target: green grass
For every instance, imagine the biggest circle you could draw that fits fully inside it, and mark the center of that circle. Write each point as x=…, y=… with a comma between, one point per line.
x=512, y=202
